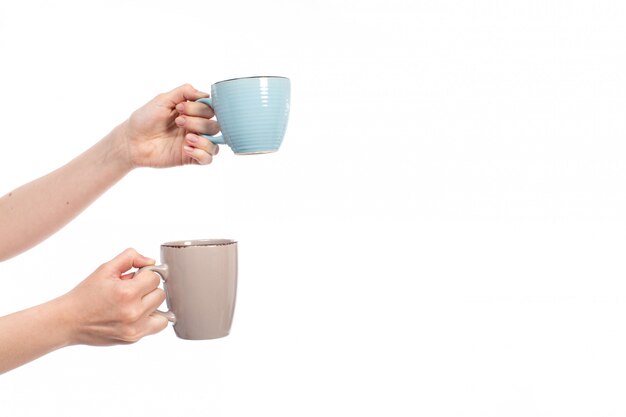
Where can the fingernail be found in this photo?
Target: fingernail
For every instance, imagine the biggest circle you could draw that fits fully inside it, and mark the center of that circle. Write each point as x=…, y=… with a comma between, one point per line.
x=180, y=107
x=192, y=139
x=188, y=149
x=202, y=92
x=180, y=121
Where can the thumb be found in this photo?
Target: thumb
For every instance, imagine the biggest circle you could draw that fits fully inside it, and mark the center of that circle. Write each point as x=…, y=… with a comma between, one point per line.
x=182, y=93
x=130, y=258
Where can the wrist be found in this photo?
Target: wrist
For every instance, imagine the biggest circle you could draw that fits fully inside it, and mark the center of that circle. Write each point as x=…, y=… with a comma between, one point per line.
x=60, y=319
x=117, y=151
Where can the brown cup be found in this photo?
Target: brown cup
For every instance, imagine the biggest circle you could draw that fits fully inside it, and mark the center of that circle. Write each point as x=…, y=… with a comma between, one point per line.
x=200, y=282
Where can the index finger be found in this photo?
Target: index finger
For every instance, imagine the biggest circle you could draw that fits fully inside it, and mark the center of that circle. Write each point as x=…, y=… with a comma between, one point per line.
x=145, y=282
x=196, y=109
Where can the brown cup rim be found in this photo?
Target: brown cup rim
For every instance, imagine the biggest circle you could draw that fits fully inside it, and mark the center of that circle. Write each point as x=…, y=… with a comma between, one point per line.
x=193, y=243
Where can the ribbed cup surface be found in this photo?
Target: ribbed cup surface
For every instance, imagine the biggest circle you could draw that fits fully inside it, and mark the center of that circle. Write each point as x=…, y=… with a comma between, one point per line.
x=252, y=112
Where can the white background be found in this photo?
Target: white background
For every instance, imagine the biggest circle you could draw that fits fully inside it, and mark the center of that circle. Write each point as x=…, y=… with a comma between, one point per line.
x=441, y=234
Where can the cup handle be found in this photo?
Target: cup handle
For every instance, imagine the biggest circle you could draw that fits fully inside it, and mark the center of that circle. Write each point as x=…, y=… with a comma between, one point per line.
x=163, y=272
x=219, y=138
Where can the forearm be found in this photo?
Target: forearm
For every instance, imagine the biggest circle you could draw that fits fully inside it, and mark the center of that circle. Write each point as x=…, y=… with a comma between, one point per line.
x=32, y=212
x=31, y=333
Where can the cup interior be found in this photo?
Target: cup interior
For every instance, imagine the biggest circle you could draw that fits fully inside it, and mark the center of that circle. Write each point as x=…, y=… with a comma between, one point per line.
x=198, y=242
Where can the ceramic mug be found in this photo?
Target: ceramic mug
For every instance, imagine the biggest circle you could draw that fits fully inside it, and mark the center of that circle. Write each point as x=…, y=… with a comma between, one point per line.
x=200, y=283
x=252, y=113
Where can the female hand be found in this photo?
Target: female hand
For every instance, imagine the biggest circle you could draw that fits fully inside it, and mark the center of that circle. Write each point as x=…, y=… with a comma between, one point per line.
x=162, y=133
x=107, y=308
x=165, y=131
x=111, y=307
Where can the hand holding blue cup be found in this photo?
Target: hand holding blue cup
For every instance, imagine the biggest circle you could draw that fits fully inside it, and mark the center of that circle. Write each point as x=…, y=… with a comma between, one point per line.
x=252, y=113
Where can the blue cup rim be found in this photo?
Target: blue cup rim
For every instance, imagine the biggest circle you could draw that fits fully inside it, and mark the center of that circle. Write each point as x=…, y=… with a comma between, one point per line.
x=254, y=76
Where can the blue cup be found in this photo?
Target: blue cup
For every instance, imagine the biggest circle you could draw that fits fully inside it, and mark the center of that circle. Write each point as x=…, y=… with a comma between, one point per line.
x=252, y=113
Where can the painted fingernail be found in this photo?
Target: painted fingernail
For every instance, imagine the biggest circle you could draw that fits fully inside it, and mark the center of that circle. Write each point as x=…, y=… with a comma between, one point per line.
x=180, y=121
x=188, y=149
x=192, y=139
